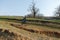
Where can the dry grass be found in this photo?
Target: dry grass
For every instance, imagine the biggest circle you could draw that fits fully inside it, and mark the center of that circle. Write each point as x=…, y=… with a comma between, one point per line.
x=6, y=35
x=48, y=33
x=23, y=34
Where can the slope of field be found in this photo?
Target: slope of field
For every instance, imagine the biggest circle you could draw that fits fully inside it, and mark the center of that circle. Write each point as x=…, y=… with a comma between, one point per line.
x=21, y=34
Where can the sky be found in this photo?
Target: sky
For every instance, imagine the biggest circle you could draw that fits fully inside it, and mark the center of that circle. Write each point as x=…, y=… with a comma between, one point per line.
x=21, y=7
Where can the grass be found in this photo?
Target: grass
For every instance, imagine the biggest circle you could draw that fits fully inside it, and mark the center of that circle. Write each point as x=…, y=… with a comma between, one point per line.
x=5, y=24
x=34, y=36
x=21, y=17
x=56, y=20
x=13, y=17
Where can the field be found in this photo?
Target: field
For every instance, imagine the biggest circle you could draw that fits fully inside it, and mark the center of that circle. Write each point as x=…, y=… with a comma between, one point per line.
x=14, y=30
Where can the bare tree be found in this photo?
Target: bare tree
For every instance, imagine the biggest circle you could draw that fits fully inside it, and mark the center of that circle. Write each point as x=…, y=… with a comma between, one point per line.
x=57, y=12
x=33, y=9
x=34, y=12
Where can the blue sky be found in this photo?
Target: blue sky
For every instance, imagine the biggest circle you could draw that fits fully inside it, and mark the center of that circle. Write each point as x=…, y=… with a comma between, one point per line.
x=20, y=7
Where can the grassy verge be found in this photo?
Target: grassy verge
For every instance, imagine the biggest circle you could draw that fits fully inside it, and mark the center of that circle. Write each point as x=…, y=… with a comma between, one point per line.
x=34, y=36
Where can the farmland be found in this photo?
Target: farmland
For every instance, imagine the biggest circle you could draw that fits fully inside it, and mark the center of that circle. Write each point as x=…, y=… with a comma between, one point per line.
x=30, y=31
